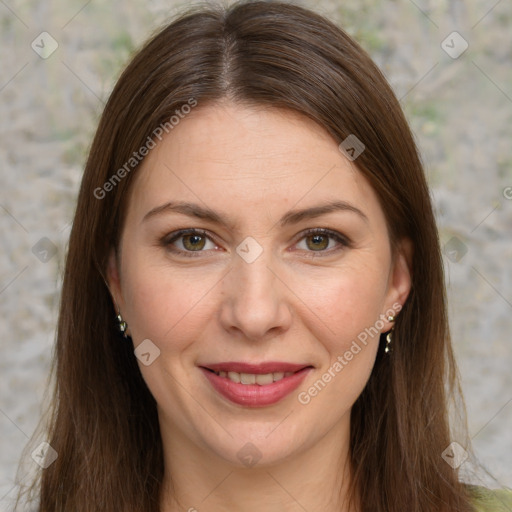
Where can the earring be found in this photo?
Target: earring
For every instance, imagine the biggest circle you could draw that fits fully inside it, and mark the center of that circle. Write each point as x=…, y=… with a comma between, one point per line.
x=389, y=337
x=122, y=325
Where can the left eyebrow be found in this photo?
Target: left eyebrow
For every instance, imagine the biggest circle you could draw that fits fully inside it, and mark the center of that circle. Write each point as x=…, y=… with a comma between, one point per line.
x=296, y=216
x=291, y=217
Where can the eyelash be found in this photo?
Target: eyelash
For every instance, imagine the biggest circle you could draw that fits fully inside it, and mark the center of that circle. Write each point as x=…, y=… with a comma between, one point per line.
x=168, y=240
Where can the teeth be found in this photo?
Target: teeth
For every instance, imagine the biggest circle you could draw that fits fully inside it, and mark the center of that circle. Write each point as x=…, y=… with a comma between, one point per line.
x=251, y=378
x=247, y=378
x=235, y=377
x=266, y=378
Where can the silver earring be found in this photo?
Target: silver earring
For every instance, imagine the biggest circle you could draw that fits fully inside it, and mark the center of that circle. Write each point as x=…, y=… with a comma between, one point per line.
x=389, y=337
x=121, y=324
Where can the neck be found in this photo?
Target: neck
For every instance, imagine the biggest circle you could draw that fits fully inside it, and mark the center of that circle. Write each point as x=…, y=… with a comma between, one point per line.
x=315, y=479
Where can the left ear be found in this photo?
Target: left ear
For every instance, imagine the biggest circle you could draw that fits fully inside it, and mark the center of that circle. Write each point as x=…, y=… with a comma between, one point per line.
x=400, y=277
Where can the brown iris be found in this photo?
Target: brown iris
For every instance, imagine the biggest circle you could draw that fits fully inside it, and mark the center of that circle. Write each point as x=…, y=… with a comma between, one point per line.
x=319, y=242
x=193, y=242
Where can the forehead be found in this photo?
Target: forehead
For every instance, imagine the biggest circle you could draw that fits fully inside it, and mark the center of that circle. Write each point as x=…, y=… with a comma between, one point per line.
x=234, y=157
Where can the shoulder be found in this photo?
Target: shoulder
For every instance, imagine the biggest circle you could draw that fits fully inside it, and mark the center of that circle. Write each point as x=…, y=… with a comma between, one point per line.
x=490, y=500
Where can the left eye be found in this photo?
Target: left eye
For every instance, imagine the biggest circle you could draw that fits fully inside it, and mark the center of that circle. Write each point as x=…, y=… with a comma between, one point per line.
x=320, y=240
x=196, y=241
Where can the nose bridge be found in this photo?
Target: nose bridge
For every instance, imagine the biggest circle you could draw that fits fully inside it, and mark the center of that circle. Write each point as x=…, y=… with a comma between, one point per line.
x=252, y=262
x=256, y=276
x=255, y=301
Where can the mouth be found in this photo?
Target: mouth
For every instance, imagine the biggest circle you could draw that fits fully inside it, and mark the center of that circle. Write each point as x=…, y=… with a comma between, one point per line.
x=261, y=374
x=255, y=385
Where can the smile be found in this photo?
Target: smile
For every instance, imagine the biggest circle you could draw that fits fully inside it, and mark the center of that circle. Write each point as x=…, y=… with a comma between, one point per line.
x=253, y=378
x=255, y=385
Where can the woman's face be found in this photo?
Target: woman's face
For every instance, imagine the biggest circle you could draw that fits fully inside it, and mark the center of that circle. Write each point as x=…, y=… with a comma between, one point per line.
x=254, y=280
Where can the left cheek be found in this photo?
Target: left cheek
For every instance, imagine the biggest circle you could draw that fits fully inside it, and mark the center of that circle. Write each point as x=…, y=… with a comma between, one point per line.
x=352, y=307
x=349, y=302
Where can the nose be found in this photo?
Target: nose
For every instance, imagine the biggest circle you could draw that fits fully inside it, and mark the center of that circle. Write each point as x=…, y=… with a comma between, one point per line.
x=256, y=301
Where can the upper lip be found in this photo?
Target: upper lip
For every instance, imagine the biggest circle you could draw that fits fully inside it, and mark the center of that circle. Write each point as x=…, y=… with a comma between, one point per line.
x=261, y=368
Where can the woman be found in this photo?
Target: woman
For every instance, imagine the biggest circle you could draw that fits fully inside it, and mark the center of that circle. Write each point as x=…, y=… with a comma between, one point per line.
x=253, y=311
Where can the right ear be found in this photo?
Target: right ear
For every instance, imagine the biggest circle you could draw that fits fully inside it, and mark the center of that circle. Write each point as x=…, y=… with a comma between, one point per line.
x=114, y=281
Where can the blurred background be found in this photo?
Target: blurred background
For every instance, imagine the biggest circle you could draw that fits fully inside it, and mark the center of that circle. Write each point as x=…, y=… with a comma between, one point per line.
x=450, y=64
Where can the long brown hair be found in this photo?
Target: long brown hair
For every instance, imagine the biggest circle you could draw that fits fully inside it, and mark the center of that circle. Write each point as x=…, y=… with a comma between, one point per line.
x=103, y=422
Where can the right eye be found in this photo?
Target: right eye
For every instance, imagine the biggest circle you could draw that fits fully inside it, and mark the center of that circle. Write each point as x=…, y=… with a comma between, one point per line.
x=188, y=241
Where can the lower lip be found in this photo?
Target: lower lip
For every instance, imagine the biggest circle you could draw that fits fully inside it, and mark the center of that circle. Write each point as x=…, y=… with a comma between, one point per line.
x=254, y=395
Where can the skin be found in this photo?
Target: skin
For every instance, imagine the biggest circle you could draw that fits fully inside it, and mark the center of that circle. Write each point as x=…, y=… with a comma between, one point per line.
x=303, y=300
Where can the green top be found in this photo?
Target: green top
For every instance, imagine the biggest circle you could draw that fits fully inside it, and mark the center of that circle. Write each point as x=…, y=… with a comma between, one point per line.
x=491, y=500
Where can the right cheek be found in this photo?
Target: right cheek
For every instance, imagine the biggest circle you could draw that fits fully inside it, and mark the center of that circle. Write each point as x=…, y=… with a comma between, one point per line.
x=142, y=306
x=154, y=311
